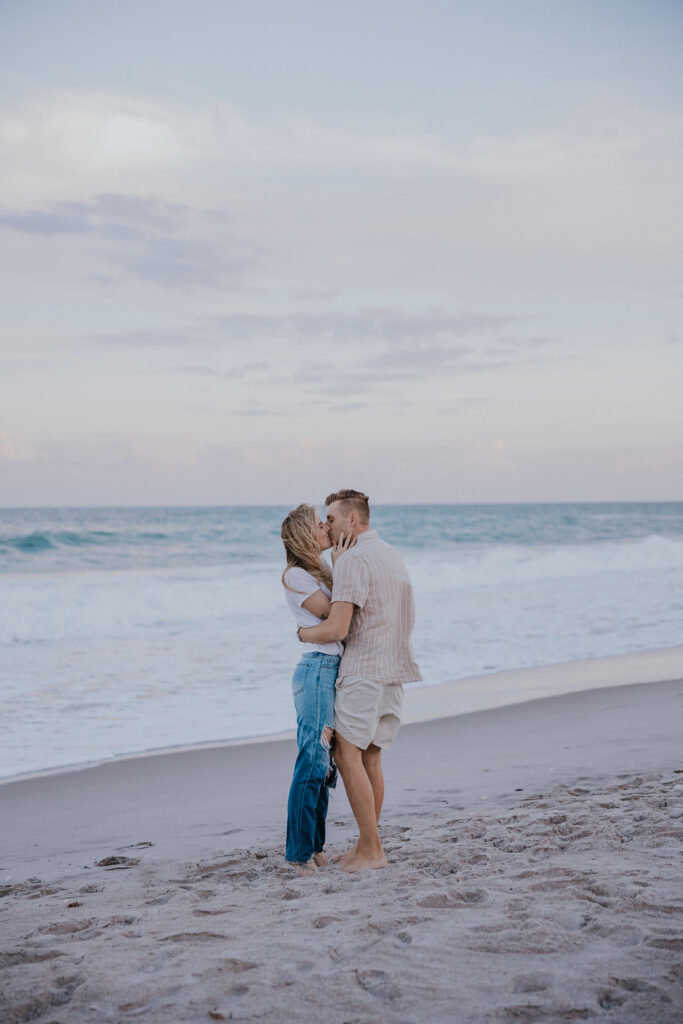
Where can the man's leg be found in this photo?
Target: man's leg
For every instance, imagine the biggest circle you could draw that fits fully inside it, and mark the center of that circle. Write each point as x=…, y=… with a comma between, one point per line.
x=368, y=852
x=372, y=762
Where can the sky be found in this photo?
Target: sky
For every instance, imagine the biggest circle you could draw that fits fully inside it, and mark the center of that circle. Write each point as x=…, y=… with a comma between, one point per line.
x=253, y=252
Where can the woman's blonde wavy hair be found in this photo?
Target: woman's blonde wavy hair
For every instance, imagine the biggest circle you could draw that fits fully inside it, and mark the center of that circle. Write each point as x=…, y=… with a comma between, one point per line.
x=301, y=546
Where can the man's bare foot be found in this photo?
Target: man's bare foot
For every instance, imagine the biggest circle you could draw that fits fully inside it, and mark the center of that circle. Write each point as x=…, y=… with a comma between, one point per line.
x=361, y=860
x=341, y=857
x=304, y=867
x=321, y=859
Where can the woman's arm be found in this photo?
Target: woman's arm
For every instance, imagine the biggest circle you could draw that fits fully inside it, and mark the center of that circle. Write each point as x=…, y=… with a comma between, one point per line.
x=335, y=627
x=318, y=603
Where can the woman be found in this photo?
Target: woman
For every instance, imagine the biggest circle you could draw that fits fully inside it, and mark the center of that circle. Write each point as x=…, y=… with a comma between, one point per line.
x=308, y=588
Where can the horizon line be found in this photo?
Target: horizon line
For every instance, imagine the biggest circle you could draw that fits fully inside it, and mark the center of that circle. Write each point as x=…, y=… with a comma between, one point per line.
x=380, y=504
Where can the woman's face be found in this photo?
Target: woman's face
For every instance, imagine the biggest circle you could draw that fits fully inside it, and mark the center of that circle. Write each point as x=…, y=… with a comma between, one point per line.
x=322, y=533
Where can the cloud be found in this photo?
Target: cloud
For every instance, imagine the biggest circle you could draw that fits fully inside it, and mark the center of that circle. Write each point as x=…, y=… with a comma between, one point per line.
x=164, y=452
x=109, y=214
x=347, y=406
x=352, y=353
x=317, y=294
x=19, y=450
x=367, y=324
x=188, y=262
x=646, y=460
x=494, y=455
x=232, y=373
x=332, y=381
x=102, y=130
x=160, y=337
x=97, y=134
x=411, y=356
x=148, y=239
x=449, y=213
x=417, y=359
x=59, y=219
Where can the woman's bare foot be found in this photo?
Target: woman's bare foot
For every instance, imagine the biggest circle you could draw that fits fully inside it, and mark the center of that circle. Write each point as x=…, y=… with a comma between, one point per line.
x=321, y=859
x=304, y=867
x=358, y=861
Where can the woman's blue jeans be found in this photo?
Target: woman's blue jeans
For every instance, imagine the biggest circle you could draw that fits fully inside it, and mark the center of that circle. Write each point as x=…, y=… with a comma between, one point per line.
x=313, y=689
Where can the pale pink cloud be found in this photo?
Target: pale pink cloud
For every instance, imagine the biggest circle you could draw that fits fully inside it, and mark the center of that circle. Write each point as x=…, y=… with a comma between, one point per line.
x=19, y=450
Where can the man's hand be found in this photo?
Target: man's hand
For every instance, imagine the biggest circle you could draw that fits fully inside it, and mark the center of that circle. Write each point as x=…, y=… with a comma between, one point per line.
x=342, y=545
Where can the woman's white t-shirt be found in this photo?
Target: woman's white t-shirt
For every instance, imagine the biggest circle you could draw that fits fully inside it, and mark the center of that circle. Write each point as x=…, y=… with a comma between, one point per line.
x=304, y=585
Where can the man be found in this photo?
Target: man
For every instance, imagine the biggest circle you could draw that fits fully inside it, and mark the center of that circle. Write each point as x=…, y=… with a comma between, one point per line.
x=372, y=610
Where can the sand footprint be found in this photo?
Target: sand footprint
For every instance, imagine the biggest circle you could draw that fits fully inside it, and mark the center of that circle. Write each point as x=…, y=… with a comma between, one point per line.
x=59, y=994
x=453, y=899
x=22, y=956
x=67, y=927
x=378, y=984
x=524, y=983
x=117, y=863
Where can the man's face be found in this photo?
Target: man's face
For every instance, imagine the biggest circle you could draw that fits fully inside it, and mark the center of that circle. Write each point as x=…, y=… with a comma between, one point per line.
x=338, y=522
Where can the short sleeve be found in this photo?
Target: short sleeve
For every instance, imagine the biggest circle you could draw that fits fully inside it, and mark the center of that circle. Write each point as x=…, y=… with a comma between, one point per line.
x=302, y=583
x=351, y=581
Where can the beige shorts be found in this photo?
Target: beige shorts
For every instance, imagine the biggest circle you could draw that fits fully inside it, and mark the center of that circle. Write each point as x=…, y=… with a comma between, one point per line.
x=367, y=712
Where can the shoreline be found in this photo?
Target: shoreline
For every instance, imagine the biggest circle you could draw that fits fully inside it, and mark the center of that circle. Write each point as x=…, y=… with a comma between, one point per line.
x=431, y=702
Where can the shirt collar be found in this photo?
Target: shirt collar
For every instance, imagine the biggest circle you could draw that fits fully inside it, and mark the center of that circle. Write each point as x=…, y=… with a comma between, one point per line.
x=366, y=535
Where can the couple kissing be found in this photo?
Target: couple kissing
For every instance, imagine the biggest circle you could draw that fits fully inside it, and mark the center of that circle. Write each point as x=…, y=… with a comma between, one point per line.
x=354, y=623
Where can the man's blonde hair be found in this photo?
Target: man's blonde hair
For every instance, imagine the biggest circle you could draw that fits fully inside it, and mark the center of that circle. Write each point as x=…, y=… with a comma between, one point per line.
x=302, y=547
x=352, y=500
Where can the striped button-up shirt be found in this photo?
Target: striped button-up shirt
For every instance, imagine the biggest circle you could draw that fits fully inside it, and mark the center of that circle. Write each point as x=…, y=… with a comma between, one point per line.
x=373, y=576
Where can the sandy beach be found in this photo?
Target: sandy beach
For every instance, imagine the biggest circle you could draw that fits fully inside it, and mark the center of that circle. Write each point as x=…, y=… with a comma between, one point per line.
x=534, y=875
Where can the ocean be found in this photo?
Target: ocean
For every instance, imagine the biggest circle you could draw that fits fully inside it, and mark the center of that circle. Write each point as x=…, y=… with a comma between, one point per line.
x=135, y=629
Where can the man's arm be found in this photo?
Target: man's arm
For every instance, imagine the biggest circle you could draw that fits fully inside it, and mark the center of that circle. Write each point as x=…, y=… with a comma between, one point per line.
x=335, y=627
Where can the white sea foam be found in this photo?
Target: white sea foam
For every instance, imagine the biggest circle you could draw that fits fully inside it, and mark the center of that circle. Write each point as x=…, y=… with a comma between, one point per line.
x=86, y=605
x=117, y=604
x=512, y=564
